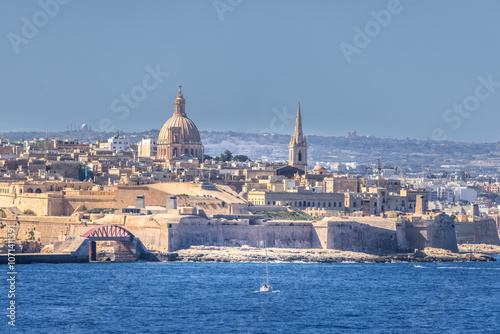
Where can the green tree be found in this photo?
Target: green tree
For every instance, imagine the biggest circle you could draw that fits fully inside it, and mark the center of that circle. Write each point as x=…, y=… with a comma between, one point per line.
x=241, y=158
x=226, y=156
x=207, y=157
x=28, y=212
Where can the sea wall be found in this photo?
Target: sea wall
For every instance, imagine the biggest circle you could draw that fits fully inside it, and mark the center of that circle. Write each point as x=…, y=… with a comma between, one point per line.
x=286, y=235
x=480, y=231
x=422, y=232
x=356, y=237
x=172, y=232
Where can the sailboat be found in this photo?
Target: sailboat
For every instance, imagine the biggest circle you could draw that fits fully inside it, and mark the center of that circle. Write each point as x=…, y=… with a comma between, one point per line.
x=266, y=287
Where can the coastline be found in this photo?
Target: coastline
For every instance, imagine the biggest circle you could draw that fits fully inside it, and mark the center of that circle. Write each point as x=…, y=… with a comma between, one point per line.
x=251, y=254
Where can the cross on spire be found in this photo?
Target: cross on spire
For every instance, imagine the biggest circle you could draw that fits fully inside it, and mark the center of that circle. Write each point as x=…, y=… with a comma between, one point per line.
x=180, y=89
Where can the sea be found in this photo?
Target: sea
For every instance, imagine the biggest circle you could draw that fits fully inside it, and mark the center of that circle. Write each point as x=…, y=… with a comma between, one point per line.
x=185, y=297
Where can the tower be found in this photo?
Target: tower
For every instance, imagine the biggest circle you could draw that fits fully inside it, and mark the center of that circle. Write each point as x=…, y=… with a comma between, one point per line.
x=298, y=146
x=179, y=137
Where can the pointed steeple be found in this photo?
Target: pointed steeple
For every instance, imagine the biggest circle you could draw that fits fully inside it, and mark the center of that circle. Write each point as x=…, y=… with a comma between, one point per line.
x=298, y=145
x=298, y=135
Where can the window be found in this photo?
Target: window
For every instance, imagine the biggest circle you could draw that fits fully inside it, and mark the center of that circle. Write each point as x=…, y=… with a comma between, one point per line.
x=340, y=204
x=329, y=204
x=334, y=204
x=300, y=156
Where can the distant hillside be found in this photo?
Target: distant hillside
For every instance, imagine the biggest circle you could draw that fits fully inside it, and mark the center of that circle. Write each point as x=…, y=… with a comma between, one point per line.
x=403, y=153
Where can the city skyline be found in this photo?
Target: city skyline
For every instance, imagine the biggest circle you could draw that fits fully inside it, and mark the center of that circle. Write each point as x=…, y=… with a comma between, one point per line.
x=382, y=68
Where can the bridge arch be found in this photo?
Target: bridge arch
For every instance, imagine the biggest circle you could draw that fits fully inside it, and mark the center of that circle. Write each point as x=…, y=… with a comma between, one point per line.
x=108, y=232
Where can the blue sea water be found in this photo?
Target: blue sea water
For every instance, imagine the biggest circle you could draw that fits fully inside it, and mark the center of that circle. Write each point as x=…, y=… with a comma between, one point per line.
x=181, y=297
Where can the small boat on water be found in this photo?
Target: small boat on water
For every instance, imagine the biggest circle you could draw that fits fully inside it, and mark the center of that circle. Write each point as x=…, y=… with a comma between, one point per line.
x=417, y=266
x=266, y=287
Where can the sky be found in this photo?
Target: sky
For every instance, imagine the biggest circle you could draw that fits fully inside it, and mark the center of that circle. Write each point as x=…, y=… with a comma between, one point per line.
x=398, y=69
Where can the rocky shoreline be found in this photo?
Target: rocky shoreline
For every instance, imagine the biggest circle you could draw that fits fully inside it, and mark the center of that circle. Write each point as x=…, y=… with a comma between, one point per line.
x=250, y=254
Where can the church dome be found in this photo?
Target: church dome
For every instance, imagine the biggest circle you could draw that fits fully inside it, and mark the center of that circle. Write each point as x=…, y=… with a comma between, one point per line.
x=179, y=136
x=319, y=168
x=188, y=132
x=179, y=128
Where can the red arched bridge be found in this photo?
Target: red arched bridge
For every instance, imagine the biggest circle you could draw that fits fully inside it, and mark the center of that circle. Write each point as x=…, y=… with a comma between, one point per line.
x=108, y=232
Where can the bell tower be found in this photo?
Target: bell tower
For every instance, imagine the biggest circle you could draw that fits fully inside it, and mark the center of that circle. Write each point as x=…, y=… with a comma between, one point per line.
x=298, y=146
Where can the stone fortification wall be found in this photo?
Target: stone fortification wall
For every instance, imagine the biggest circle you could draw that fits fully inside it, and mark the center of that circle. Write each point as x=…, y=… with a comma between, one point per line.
x=421, y=232
x=183, y=235
x=481, y=231
x=441, y=234
x=356, y=237
x=45, y=231
x=40, y=204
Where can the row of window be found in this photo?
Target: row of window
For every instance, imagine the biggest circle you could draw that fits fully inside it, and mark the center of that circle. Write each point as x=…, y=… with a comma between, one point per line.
x=312, y=204
x=175, y=152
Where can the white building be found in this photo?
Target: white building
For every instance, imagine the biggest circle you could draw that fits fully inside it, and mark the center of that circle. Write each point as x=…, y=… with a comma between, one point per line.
x=119, y=143
x=147, y=148
x=466, y=194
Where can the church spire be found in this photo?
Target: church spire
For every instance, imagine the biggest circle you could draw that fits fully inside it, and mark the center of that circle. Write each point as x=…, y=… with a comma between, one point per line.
x=298, y=146
x=298, y=135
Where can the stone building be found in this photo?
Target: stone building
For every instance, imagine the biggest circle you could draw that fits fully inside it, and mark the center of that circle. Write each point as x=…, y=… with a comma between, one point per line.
x=300, y=199
x=179, y=136
x=298, y=146
x=147, y=148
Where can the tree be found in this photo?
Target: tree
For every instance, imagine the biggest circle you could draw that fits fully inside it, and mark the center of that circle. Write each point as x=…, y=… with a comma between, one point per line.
x=28, y=212
x=207, y=157
x=226, y=156
x=241, y=158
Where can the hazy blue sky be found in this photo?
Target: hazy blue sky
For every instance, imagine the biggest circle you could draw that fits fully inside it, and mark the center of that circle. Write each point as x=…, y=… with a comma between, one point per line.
x=245, y=64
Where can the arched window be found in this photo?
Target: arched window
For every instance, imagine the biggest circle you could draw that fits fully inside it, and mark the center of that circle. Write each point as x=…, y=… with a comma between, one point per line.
x=192, y=152
x=186, y=151
x=300, y=156
x=29, y=191
x=174, y=153
x=38, y=191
